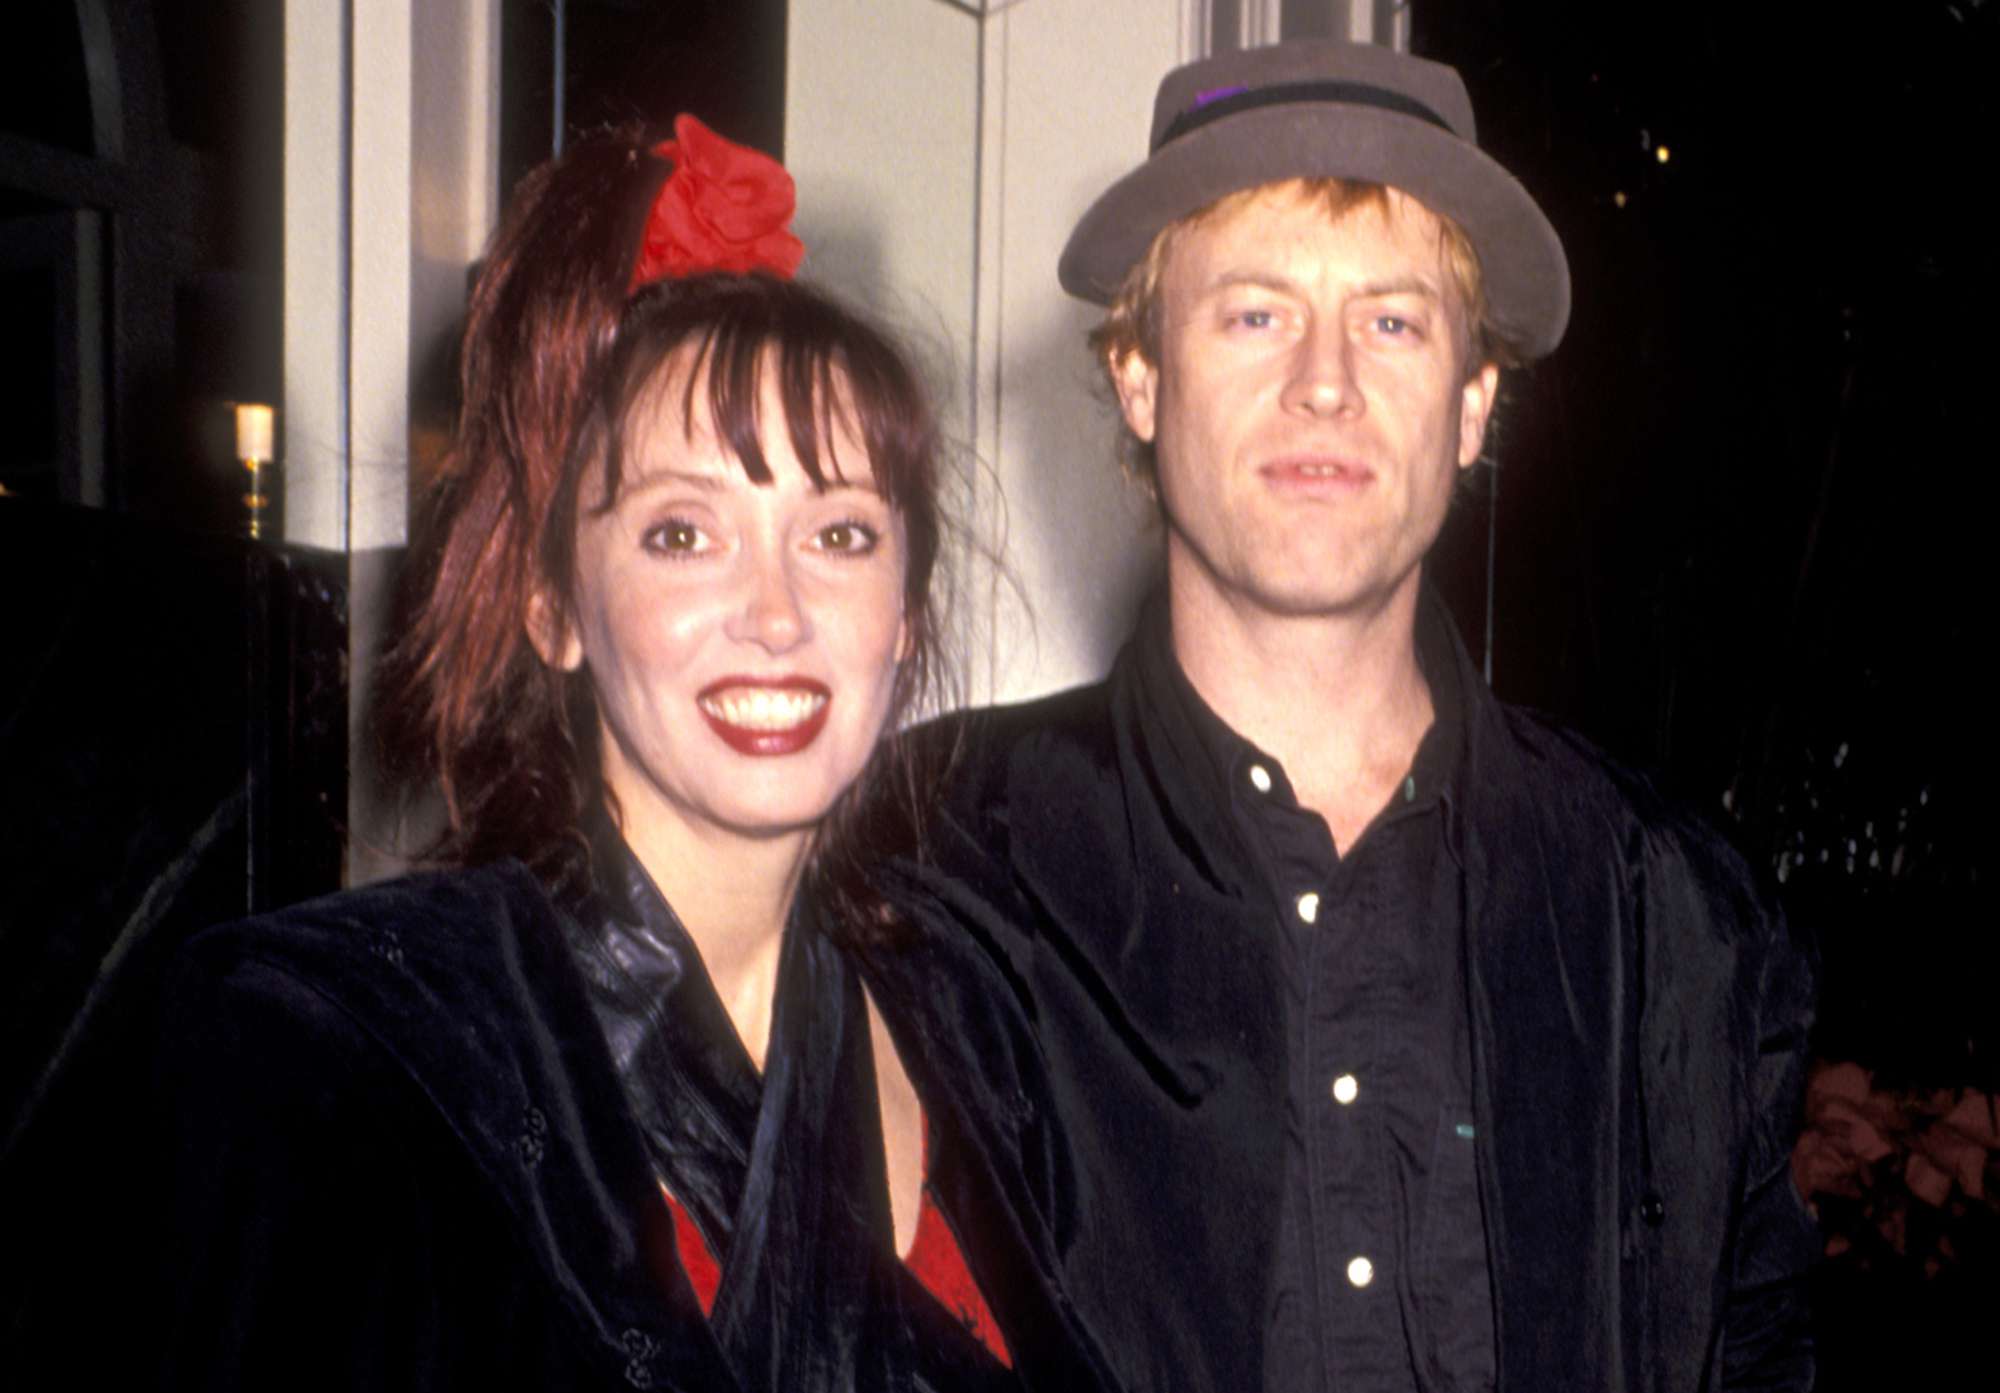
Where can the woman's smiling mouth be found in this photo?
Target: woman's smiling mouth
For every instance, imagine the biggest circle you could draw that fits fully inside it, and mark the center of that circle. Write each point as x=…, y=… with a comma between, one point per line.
x=764, y=716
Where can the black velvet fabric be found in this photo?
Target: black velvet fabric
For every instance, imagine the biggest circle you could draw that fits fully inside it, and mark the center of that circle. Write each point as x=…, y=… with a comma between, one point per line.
x=389, y=1147
x=783, y=1173
x=1638, y=1017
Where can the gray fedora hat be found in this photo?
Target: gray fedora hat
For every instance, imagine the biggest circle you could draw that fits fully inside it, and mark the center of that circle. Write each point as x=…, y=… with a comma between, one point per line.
x=1317, y=108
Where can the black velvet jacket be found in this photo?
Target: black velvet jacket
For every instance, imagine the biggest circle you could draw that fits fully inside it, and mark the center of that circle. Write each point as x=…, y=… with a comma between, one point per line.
x=390, y=1148
x=1638, y=1014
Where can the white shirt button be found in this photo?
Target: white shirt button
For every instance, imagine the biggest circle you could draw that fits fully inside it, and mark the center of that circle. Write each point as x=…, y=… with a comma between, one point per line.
x=1346, y=1089
x=1308, y=905
x=1360, y=1272
x=1260, y=778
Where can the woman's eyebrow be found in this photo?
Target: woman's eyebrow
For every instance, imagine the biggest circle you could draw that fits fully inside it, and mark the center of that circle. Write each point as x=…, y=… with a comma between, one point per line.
x=835, y=483
x=707, y=481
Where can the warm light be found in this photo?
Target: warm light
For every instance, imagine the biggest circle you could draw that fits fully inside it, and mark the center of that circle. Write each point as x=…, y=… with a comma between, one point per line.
x=254, y=432
x=1619, y=198
x=1660, y=154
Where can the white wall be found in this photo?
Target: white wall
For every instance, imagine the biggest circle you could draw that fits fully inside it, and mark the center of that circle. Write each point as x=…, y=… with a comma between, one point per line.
x=943, y=150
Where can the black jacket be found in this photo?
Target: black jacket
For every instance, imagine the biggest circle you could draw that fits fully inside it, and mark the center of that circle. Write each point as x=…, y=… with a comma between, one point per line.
x=1639, y=1016
x=388, y=1148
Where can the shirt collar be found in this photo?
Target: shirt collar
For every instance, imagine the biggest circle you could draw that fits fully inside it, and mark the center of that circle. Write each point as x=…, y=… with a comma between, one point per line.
x=1221, y=759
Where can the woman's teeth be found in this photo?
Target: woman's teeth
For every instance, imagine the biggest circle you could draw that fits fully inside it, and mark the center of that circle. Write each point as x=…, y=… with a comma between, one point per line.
x=763, y=708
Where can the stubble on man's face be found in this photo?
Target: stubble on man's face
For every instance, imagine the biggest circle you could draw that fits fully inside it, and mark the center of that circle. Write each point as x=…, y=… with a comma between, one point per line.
x=1311, y=409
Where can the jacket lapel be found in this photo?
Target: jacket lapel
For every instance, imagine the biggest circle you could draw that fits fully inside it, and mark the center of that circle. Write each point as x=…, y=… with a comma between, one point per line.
x=1546, y=972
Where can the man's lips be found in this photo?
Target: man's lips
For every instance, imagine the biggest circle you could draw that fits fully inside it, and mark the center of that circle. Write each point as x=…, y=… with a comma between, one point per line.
x=1316, y=474
x=766, y=715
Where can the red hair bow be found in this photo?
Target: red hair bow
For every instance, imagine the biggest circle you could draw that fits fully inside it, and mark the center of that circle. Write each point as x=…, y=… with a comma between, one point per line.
x=724, y=208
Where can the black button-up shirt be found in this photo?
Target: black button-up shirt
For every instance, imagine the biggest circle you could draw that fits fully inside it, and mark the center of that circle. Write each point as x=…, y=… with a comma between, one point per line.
x=1382, y=1278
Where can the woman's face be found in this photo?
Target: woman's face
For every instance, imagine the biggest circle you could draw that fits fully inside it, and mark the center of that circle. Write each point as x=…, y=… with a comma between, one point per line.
x=742, y=638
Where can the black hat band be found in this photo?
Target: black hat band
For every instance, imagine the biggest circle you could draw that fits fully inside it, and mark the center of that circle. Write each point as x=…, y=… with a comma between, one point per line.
x=1249, y=99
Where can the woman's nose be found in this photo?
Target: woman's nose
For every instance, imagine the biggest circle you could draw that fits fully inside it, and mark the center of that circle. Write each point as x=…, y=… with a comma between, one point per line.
x=771, y=616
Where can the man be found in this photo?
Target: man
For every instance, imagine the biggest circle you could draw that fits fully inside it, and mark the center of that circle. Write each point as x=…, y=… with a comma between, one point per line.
x=1334, y=1025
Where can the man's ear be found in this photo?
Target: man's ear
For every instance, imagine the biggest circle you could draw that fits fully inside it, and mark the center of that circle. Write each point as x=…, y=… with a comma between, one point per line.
x=553, y=636
x=1475, y=409
x=1138, y=384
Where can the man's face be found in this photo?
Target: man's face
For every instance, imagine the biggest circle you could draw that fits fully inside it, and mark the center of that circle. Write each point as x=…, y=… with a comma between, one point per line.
x=1311, y=407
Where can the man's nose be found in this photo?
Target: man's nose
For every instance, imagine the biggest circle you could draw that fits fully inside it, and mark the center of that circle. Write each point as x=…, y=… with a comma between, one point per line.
x=771, y=615
x=1322, y=372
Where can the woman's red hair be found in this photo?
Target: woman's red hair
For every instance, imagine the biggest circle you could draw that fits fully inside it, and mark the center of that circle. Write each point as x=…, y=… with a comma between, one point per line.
x=554, y=359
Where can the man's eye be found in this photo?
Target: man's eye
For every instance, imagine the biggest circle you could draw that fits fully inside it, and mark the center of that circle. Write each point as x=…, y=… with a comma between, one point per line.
x=1253, y=319
x=851, y=537
x=1395, y=326
x=676, y=537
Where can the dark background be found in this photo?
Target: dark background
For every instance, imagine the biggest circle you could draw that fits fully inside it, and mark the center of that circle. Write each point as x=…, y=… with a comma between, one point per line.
x=1740, y=518
x=1743, y=518
x=1742, y=511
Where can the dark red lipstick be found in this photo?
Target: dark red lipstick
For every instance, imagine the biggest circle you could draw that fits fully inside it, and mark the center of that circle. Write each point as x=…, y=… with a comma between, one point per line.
x=766, y=715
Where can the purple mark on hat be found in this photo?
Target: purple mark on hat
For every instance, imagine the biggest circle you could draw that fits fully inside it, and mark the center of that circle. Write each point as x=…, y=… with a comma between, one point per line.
x=1216, y=94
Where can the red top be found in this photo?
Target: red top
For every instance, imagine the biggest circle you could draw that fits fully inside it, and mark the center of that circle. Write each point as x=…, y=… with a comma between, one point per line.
x=934, y=1259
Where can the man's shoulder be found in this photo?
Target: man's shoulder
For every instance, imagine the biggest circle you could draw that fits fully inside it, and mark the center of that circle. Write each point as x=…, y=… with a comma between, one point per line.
x=999, y=773
x=1521, y=742
x=1068, y=713
x=1538, y=772
x=983, y=754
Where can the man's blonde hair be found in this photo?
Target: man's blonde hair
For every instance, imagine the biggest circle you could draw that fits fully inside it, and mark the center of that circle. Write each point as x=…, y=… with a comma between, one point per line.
x=1132, y=322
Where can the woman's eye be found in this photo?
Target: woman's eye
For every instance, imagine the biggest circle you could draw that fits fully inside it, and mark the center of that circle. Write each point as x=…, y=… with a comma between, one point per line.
x=676, y=537
x=1394, y=326
x=850, y=537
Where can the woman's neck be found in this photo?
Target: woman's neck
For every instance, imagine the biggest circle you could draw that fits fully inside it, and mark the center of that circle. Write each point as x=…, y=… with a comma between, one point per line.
x=733, y=895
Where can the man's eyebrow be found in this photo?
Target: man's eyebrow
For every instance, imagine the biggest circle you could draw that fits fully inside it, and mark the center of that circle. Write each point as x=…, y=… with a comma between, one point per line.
x=1404, y=285
x=1263, y=280
x=1412, y=284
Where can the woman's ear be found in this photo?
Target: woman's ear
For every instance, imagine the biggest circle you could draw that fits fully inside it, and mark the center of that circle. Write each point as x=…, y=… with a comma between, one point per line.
x=553, y=636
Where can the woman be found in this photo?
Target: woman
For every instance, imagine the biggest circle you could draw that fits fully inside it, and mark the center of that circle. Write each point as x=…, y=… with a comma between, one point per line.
x=601, y=1103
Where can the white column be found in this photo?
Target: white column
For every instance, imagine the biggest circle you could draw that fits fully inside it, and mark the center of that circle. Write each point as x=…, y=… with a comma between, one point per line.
x=454, y=160
x=315, y=295
x=380, y=259
x=943, y=150
x=1385, y=22
x=1262, y=21
x=391, y=174
x=391, y=160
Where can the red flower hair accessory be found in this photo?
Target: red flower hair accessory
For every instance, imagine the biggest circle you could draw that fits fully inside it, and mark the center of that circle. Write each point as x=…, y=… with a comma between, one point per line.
x=724, y=208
